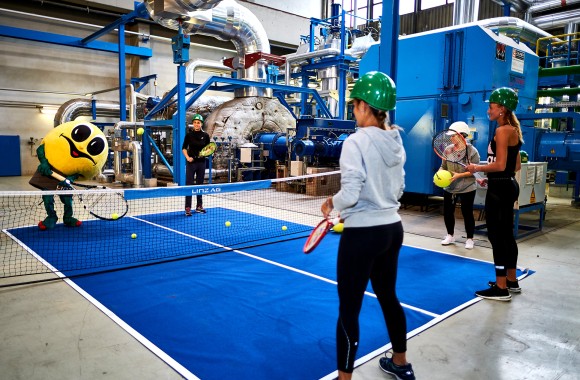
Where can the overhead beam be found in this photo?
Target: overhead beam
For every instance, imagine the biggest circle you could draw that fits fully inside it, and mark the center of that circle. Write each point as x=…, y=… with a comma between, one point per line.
x=59, y=39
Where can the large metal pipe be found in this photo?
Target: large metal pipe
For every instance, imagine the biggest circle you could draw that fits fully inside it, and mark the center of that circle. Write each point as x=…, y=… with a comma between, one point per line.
x=84, y=107
x=136, y=177
x=557, y=92
x=74, y=108
x=297, y=57
x=514, y=27
x=557, y=20
x=227, y=21
x=204, y=65
x=549, y=5
x=562, y=70
x=465, y=11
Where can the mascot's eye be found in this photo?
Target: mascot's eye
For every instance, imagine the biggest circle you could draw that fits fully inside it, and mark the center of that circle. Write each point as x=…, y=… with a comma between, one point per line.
x=81, y=132
x=96, y=146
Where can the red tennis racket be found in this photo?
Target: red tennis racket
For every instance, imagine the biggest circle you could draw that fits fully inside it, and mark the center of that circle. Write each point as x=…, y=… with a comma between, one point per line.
x=451, y=146
x=317, y=234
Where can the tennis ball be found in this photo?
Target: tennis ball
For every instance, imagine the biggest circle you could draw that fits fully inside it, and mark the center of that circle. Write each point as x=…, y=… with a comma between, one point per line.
x=442, y=178
x=228, y=223
x=284, y=228
x=140, y=131
x=338, y=228
x=133, y=236
x=115, y=216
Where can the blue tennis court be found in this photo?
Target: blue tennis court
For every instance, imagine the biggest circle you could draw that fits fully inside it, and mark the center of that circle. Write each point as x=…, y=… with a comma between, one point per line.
x=260, y=312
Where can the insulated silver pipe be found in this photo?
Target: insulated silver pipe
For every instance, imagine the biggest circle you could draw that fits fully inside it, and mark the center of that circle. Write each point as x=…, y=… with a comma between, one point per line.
x=557, y=20
x=227, y=21
x=74, y=108
x=465, y=11
x=204, y=65
x=136, y=178
x=297, y=57
x=512, y=26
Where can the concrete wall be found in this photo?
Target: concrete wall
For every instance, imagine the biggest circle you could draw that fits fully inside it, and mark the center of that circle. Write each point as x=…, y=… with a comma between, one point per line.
x=34, y=74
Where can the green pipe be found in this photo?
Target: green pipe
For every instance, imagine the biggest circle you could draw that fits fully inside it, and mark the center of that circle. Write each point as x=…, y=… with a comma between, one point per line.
x=559, y=92
x=562, y=70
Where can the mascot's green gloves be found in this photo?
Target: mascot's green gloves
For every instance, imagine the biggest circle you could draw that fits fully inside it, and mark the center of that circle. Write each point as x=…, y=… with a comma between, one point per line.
x=70, y=179
x=44, y=167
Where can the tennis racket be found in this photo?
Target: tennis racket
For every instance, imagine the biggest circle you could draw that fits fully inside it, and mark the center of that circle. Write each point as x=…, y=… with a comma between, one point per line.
x=317, y=234
x=208, y=149
x=451, y=146
x=100, y=201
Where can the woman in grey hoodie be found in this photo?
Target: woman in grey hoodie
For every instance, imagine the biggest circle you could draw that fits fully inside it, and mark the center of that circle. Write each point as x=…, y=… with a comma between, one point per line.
x=372, y=181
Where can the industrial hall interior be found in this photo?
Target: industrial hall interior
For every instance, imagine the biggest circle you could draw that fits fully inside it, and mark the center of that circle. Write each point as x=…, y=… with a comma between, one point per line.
x=305, y=189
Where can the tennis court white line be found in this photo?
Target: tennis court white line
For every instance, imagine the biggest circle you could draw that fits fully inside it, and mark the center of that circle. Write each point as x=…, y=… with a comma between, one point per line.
x=293, y=269
x=134, y=333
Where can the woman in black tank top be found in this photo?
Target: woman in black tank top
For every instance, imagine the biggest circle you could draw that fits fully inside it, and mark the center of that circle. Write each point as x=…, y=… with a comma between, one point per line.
x=502, y=192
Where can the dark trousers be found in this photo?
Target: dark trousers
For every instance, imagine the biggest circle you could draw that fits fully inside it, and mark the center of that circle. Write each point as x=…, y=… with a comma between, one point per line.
x=368, y=253
x=466, y=210
x=499, y=214
x=194, y=175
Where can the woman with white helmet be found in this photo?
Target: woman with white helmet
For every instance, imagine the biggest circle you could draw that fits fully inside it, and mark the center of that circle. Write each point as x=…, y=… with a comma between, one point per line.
x=462, y=188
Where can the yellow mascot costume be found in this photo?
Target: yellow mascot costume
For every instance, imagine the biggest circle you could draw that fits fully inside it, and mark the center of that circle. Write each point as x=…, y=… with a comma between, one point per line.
x=76, y=149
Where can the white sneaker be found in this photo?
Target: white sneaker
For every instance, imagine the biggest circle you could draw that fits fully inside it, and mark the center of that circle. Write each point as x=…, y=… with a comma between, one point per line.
x=449, y=239
x=469, y=244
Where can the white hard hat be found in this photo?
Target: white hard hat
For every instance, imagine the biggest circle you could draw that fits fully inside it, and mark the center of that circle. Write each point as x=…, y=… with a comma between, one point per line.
x=460, y=127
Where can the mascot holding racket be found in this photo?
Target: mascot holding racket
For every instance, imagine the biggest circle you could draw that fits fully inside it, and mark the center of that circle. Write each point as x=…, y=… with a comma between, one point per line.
x=76, y=149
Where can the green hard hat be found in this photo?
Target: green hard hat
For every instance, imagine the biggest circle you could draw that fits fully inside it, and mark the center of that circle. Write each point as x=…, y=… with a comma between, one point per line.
x=524, y=156
x=377, y=89
x=504, y=96
x=197, y=117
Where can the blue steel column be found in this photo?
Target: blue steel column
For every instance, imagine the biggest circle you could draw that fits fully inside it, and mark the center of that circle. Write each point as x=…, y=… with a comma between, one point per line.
x=179, y=125
x=506, y=8
x=122, y=75
x=389, y=42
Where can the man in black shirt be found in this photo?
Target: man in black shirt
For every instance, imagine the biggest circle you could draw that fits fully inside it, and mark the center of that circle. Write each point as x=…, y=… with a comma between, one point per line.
x=193, y=143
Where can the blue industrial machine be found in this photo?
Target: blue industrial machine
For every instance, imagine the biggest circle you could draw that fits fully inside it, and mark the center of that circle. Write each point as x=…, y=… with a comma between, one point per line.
x=317, y=141
x=447, y=75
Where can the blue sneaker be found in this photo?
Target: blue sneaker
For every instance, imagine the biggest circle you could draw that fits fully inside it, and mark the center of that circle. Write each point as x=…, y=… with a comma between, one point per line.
x=403, y=372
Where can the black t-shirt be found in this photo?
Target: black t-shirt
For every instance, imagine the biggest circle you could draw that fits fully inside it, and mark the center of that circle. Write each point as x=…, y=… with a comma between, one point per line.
x=194, y=142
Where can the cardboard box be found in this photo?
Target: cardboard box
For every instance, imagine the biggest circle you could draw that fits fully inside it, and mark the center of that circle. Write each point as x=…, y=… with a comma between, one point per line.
x=323, y=185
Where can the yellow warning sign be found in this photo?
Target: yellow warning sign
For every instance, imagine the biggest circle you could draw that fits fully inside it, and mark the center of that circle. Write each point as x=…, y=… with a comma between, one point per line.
x=533, y=196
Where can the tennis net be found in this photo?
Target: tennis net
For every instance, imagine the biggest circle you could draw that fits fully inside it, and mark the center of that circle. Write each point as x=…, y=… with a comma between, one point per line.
x=155, y=228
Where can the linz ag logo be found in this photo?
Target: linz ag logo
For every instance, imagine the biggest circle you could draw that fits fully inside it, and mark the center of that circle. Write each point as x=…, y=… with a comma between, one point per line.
x=518, y=54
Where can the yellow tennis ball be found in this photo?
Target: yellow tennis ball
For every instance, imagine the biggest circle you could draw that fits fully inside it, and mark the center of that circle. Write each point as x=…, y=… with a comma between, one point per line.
x=284, y=228
x=133, y=236
x=115, y=216
x=338, y=228
x=228, y=223
x=140, y=131
x=442, y=178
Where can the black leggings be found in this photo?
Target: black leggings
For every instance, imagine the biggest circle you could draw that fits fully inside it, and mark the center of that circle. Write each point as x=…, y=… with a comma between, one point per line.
x=466, y=210
x=194, y=170
x=363, y=253
x=499, y=214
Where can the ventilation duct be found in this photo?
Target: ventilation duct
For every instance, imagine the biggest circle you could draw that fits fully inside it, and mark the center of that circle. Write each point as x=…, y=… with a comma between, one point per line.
x=227, y=21
x=514, y=27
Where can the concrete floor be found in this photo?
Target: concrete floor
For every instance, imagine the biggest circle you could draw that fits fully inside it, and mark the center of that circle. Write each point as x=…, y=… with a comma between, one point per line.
x=48, y=331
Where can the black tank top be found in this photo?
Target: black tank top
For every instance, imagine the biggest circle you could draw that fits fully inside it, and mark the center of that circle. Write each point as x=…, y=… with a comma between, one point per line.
x=510, y=166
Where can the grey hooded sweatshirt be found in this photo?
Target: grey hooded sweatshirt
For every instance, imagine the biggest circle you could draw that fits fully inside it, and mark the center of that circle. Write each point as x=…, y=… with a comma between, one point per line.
x=372, y=178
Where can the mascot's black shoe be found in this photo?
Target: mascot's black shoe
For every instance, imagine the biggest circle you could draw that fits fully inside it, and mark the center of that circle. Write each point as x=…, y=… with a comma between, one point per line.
x=48, y=223
x=72, y=222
